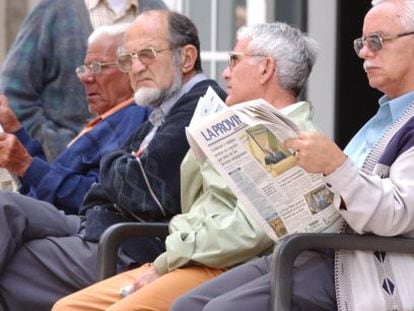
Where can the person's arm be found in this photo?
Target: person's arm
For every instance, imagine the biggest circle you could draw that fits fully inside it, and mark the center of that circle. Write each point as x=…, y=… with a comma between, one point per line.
x=215, y=232
x=147, y=186
x=152, y=179
x=383, y=206
x=65, y=181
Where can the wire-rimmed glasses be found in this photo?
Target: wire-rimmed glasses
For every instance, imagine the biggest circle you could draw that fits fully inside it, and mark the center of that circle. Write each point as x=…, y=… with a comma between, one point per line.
x=146, y=56
x=92, y=68
x=375, y=42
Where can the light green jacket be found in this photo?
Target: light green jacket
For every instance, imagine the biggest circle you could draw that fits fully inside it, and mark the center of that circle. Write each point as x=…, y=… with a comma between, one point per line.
x=214, y=229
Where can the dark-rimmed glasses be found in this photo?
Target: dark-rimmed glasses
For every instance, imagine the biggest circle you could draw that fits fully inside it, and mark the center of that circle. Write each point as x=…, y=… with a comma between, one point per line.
x=92, y=68
x=375, y=42
x=145, y=56
x=233, y=58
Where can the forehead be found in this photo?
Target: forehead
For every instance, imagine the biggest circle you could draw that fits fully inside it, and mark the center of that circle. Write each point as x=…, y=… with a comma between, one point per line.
x=385, y=18
x=242, y=45
x=102, y=48
x=147, y=30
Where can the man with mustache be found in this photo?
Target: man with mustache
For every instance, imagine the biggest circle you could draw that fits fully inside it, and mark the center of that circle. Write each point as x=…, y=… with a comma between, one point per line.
x=213, y=233
x=53, y=254
x=374, y=176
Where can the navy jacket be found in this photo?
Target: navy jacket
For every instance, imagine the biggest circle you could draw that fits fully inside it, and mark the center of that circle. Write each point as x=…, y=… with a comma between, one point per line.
x=123, y=193
x=65, y=181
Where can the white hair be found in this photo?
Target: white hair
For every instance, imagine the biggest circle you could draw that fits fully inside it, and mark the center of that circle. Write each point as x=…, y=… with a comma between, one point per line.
x=108, y=31
x=293, y=51
x=407, y=18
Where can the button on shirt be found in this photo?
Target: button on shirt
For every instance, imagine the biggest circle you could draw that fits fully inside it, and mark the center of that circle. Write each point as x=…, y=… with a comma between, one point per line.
x=389, y=111
x=101, y=13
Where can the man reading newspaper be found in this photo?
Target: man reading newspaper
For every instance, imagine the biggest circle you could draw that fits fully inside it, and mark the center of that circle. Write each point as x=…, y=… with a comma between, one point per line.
x=214, y=232
x=374, y=176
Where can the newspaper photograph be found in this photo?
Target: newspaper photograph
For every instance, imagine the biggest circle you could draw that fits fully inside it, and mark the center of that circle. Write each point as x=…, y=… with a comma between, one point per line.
x=245, y=145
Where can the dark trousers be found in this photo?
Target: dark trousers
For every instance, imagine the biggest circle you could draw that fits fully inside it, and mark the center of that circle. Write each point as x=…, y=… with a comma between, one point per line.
x=247, y=287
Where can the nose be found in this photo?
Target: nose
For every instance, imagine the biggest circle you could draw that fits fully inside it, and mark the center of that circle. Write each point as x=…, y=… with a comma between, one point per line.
x=365, y=52
x=87, y=77
x=226, y=73
x=137, y=66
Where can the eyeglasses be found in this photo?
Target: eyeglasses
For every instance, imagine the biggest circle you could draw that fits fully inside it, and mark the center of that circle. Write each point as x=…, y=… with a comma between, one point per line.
x=145, y=56
x=92, y=68
x=375, y=42
x=233, y=58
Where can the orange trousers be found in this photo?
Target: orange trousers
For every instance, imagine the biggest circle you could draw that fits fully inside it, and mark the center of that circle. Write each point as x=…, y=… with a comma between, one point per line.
x=156, y=296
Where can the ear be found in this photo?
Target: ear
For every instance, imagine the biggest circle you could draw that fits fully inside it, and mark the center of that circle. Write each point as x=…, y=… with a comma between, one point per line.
x=188, y=58
x=268, y=69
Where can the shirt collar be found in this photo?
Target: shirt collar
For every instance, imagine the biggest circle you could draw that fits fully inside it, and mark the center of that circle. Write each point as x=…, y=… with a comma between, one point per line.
x=98, y=119
x=397, y=105
x=117, y=108
x=159, y=113
x=92, y=4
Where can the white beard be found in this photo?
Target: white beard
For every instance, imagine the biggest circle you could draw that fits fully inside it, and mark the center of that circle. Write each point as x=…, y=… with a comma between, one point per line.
x=151, y=96
x=146, y=96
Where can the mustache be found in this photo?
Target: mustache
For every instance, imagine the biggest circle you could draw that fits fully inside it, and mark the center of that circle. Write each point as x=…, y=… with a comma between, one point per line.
x=367, y=65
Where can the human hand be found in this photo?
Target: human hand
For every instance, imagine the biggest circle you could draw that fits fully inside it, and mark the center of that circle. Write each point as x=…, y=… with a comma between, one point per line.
x=316, y=153
x=13, y=155
x=147, y=277
x=8, y=119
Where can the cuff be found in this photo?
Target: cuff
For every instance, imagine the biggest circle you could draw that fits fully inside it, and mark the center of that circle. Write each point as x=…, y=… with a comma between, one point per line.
x=23, y=136
x=160, y=263
x=343, y=176
x=36, y=171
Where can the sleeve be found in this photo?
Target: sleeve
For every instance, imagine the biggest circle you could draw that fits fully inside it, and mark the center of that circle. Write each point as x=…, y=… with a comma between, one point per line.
x=62, y=186
x=32, y=146
x=216, y=232
x=65, y=181
x=383, y=206
x=147, y=188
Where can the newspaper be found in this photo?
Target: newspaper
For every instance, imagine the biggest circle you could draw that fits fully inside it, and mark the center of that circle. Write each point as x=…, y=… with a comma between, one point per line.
x=8, y=181
x=244, y=143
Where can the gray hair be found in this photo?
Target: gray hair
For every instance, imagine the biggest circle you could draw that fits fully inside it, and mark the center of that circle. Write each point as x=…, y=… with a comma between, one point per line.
x=117, y=30
x=407, y=18
x=293, y=52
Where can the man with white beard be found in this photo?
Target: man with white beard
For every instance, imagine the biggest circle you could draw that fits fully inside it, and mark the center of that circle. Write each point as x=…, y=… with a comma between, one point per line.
x=139, y=183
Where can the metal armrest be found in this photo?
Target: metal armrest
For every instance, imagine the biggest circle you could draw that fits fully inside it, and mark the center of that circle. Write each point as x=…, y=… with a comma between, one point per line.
x=112, y=238
x=287, y=250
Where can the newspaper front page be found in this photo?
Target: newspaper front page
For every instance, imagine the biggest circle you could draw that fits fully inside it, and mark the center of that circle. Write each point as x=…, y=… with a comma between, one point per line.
x=245, y=145
x=8, y=182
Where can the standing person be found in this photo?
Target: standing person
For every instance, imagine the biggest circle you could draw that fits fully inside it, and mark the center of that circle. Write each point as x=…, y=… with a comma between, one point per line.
x=38, y=75
x=65, y=180
x=374, y=176
x=214, y=233
x=45, y=254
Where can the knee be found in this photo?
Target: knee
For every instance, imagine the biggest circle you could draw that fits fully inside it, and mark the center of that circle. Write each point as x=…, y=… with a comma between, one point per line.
x=186, y=303
x=63, y=304
x=222, y=304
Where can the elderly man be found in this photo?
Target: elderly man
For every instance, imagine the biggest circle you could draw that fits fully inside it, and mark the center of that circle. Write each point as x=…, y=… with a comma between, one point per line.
x=38, y=74
x=214, y=232
x=45, y=254
x=65, y=181
x=374, y=177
